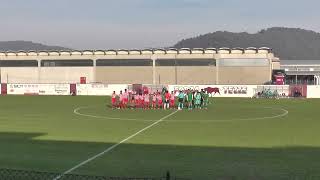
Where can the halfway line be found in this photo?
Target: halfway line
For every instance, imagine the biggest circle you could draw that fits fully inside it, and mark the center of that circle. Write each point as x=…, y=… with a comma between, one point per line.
x=113, y=146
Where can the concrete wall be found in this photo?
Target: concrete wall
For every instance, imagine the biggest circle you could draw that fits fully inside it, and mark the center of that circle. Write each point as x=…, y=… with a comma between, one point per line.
x=244, y=75
x=46, y=74
x=201, y=75
x=124, y=75
x=19, y=75
x=313, y=92
x=275, y=65
x=165, y=75
x=65, y=74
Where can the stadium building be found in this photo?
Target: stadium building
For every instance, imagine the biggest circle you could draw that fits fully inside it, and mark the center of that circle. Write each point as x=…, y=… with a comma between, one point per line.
x=301, y=71
x=150, y=66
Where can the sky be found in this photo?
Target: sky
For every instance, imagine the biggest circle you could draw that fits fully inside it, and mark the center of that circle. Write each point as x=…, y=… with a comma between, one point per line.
x=138, y=24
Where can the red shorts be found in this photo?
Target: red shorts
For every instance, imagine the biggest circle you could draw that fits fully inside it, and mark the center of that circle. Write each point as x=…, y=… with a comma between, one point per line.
x=113, y=100
x=125, y=101
x=159, y=102
x=171, y=102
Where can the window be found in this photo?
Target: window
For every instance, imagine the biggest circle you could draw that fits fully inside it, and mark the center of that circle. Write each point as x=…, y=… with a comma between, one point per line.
x=243, y=62
x=186, y=62
x=67, y=63
x=165, y=62
x=124, y=62
x=19, y=63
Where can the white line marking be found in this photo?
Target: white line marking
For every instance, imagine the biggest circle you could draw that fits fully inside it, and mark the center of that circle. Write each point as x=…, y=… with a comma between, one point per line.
x=113, y=146
x=76, y=111
x=285, y=112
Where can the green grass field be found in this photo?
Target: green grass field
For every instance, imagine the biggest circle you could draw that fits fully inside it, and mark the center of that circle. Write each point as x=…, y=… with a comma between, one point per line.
x=233, y=139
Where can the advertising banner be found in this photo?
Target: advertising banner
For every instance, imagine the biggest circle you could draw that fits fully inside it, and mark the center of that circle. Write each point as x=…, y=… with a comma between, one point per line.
x=38, y=89
x=107, y=89
x=54, y=89
x=219, y=90
x=21, y=89
x=99, y=89
x=91, y=89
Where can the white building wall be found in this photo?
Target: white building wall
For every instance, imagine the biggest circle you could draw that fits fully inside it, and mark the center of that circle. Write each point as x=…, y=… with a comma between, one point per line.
x=313, y=92
x=19, y=75
x=65, y=74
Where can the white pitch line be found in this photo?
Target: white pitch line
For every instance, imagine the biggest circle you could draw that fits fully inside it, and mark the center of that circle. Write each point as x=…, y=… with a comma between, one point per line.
x=113, y=146
x=285, y=112
x=76, y=111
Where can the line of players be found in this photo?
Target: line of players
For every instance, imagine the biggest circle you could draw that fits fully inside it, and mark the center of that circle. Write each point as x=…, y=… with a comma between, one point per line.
x=160, y=100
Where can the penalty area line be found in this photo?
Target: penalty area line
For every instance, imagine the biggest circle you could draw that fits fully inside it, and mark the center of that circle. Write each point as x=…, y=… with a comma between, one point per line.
x=113, y=146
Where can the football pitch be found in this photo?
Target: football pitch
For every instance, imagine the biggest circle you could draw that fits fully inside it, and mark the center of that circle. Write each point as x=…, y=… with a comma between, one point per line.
x=234, y=139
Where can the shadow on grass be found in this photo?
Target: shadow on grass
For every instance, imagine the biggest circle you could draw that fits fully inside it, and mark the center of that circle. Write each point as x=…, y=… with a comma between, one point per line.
x=21, y=151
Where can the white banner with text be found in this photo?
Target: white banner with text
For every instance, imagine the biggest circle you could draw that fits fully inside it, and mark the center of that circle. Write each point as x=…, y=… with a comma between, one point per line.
x=219, y=90
x=100, y=89
x=38, y=89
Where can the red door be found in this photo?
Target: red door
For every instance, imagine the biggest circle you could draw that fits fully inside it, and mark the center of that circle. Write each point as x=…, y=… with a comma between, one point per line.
x=73, y=89
x=4, y=89
x=83, y=80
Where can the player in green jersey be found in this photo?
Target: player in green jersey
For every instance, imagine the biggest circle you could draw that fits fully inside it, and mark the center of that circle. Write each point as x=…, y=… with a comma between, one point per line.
x=198, y=100
x=202, y=96
x=189, y=99
x=181, y=100
x=205, y=100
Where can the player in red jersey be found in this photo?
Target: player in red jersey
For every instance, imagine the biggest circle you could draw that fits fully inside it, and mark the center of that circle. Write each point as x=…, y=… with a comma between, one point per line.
x=130, y=99
x=159, y=99
x=154, y=101
x=141, y=104
x=167, y=96
x=136, y=100
x=114, y=100
x=125, y=98
x=121, y=103
x=146, y=101
x=172, y=100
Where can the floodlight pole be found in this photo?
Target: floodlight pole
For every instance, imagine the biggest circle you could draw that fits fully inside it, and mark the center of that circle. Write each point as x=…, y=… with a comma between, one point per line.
x=217, y=70
x=154, y=70
x=0, y=73
x=175, y=73
x=296, y=75
x=175, y=70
